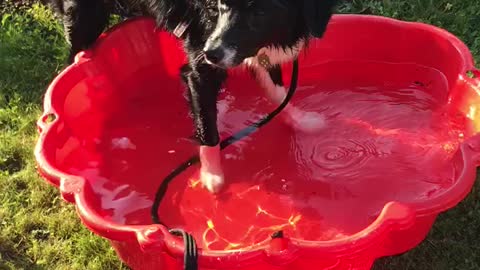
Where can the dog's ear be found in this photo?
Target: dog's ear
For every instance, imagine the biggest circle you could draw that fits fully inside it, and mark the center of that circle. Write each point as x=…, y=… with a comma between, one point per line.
x=317, y=14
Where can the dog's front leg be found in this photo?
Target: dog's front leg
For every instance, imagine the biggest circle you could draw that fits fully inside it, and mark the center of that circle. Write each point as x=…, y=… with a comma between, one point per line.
x=204, y=82
x=271, y=80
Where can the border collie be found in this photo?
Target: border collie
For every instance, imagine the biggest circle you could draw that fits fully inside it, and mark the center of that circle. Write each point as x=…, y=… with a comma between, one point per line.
x=217, y=35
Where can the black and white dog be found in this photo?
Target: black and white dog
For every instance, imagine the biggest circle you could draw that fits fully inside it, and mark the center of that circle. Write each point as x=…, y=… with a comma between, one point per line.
x=217, y=35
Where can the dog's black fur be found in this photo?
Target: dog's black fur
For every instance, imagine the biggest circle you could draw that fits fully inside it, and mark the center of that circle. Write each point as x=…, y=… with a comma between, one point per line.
x=252, y=24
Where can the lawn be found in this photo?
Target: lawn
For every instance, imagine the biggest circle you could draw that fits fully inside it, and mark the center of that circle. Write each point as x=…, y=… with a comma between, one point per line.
x=39, y=231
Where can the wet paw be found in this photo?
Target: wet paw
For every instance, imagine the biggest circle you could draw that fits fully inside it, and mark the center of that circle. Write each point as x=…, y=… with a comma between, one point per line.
x=311, y=122
x=213, y=182
x=308, y=122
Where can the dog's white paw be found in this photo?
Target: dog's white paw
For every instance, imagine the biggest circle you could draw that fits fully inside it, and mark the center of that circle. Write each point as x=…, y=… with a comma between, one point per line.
x=311, y=122
x=213, y=182
x=308, y=122
x=211, y=173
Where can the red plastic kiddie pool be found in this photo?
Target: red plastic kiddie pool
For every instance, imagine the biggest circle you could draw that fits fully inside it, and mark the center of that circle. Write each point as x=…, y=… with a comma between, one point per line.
x=400, y=146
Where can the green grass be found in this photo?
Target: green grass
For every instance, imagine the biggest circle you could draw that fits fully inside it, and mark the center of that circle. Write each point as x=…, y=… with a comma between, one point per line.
x=39, y=231
x=461, y=17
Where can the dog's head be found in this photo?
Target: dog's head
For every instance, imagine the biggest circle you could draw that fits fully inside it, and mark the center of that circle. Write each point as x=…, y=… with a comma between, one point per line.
x=245, y=26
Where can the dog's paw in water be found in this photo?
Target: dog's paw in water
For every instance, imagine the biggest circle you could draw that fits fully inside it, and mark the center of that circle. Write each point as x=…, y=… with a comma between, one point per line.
x=211, y=181
x=308, y=122
x=303, y=121
x=211, y=174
